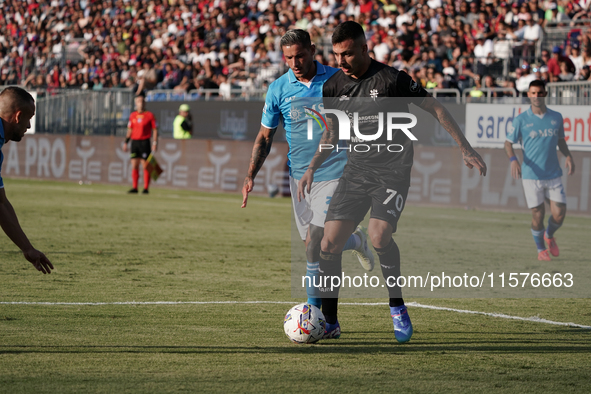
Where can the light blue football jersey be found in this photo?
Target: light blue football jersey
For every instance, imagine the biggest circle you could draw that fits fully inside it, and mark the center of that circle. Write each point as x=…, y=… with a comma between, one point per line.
x=539, y=139
x=278, y=107
x=1, y=154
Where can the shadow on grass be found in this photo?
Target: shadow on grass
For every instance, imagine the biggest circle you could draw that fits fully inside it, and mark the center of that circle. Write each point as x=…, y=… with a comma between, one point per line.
x=333, y=347
x=50, y=252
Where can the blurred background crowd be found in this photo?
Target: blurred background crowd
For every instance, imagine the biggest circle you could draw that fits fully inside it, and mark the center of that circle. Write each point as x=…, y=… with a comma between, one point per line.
x=222, y=44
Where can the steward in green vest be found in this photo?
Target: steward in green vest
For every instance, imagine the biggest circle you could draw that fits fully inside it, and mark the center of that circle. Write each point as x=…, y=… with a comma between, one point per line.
x=182, y=127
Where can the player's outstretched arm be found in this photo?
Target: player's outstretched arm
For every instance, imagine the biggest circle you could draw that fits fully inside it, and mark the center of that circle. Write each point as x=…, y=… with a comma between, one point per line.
x=471, y=157
x=515, y=166
x=260, y=151
x=10, y=225
x=330, y=137
x=570, y=163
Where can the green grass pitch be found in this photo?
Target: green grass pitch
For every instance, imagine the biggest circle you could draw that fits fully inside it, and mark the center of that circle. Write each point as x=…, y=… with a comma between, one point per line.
x=185, y=246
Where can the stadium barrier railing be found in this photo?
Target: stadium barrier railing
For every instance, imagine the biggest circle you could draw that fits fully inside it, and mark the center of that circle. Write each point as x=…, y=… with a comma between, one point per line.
x=234, y=94
x=557, y=33
x=86, y=112
x=449, y=94
x=569, y=93
x=106, y=112
x=509, y=96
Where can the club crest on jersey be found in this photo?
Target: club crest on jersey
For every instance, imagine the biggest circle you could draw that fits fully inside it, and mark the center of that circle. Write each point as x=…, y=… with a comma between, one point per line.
x=373, y=93
x=295, y=114
x=414, y=87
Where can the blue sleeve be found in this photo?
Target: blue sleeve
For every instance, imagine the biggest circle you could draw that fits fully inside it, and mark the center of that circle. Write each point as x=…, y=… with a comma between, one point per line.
x=514, y=135
x=1, y=161
x=271, y=110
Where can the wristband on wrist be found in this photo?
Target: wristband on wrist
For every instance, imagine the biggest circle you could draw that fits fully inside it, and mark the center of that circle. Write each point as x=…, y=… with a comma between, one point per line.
x=127, y=140
x=513, y=158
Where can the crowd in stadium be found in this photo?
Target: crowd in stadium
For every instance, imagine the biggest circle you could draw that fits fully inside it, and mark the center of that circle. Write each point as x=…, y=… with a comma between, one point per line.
x=191, y=44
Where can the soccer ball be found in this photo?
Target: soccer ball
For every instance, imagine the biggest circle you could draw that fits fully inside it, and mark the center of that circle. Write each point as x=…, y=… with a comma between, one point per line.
x=304, y=323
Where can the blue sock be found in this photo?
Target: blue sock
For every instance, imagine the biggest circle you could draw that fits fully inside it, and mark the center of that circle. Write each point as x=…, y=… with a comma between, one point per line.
x=539, y=239
x=353, y=242
x=552, y=227
x=313, y=272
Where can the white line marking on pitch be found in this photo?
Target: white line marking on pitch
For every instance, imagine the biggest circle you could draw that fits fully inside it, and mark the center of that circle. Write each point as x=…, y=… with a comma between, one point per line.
x=533, y=319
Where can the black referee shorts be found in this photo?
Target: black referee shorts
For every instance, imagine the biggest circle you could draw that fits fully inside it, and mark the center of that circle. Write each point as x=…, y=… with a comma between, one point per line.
x=140, y=149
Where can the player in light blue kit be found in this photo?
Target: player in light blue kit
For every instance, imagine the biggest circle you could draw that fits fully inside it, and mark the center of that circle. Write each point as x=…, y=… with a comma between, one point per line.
x=540, y=130
x=304, y=78
x=17, y=107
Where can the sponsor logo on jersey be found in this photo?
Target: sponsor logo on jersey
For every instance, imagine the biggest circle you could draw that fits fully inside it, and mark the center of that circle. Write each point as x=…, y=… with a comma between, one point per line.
x=373, y=93
x=543, y=133
x=391, y=212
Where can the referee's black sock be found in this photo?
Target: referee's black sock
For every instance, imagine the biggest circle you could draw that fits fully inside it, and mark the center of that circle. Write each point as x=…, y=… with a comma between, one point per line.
x=390, y=263
x=330, y=275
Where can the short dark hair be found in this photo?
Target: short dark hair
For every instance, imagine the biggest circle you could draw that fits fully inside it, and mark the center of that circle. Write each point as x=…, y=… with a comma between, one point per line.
x=349, y=30
x=20, y=95
x=539, y=83
x=296, y=37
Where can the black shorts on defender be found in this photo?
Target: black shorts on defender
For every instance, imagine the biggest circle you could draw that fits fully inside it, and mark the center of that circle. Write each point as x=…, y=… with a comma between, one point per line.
x=355, y=195
x=140, y=149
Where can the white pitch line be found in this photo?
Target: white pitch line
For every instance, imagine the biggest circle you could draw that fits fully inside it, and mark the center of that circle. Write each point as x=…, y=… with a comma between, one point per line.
x=533, y=319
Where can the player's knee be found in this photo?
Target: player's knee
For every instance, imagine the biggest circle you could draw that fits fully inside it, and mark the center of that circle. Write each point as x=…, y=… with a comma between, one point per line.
x=330, y=245
x=379, y=239
x=560, y=213
x=313, y=246
x=538, y=212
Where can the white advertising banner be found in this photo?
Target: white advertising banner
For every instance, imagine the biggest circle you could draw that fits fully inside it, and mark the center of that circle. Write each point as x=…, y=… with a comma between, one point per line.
x=439, y=176
x=487, y=125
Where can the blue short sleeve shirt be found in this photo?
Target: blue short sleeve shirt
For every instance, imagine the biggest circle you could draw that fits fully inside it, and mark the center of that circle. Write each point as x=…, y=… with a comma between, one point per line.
x=539, y=138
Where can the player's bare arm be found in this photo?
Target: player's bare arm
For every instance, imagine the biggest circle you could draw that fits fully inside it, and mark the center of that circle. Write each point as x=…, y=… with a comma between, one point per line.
x=127, y=138
x=515, y=166
x=155, y=140
x=570, y=163
x=10, y=225
x=330, y=137
x=260, y=151
x=438, y=111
